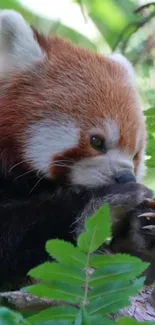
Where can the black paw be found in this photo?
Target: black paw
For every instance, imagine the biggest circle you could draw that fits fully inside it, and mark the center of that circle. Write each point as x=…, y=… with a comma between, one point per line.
x=136, y=236
x=143, y=221
x=137, y=193
x=126, y=196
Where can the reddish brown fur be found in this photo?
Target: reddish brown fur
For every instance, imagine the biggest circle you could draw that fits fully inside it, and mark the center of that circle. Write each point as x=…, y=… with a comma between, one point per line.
x=76, y=82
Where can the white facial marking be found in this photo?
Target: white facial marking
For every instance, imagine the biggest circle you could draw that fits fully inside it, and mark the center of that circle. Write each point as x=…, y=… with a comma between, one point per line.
x=112, y=133
x=46, y=139
x=18, y=48
x=100, y=170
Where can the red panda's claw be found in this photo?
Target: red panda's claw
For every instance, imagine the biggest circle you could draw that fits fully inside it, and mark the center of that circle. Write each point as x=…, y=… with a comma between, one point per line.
x=149, y=227
x=148, y=215
x=149, y=200
x=150, y=203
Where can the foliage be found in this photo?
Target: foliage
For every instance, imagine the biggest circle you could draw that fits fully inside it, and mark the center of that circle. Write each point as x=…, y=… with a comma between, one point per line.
x=93, y=285
x=150, y=116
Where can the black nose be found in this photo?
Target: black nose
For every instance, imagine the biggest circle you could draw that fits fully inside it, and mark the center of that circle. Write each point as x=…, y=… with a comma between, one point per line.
x=125, y=178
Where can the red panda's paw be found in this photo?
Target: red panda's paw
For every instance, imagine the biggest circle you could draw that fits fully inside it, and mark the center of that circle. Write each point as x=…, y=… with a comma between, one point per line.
x=142, y=223
x=128, y=196
x=137, y=193
x=135, y=235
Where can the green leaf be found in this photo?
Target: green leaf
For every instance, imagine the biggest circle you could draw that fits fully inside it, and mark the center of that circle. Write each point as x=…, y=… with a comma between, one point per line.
x=66, y=253
x=112, y=303
x=146, y=70
x=150, y=111
x=100, y=320
x=8, y=317
x=97, y=230
x=75, y=37
x=53, y=322
x=105, y=305
x=85, y=317
x=111, y=287
x=58, y=291
x=128, y=7
x=78, y=320
x=117, y=267
x=14, y=4
x=49, y=272
x=55, y=313
x=131, y=321
x=108, y=17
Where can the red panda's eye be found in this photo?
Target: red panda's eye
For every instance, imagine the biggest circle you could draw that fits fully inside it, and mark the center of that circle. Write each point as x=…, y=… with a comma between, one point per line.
x=97, y=143
x=136, y=156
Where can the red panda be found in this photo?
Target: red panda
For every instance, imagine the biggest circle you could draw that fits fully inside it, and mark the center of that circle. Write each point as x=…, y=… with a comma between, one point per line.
x=72, y=136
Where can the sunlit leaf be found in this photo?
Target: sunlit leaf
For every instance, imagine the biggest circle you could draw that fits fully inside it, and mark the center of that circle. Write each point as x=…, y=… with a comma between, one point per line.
x=109, y=17
x=112, y=303
x=57, y=291
x=111, y=287
x=55, y=313
x=108, y=268
x=75, y=36
x=9, y=317
x=56, y=272
x=97, y=230
x=131, y=321
x=71, y=255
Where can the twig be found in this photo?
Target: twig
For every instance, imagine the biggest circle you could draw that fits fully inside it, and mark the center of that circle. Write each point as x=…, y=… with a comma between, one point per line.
x=136, y=25
x=141, y=8
x=141, y=308
x=83, y=10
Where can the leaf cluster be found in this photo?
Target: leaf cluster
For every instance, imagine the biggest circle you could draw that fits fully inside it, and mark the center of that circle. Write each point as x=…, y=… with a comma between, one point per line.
x=91, y=285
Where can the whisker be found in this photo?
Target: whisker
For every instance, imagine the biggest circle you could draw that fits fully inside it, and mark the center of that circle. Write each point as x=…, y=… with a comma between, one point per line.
x=17, y=164
x=58, y=163
x=55, y=164
x=30, y=171
x=64, y=161
x=36, y=184
x=25, y=160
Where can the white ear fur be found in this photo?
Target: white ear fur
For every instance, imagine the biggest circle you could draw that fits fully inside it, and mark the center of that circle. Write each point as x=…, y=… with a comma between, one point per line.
x=117, y=57
x=18, y=48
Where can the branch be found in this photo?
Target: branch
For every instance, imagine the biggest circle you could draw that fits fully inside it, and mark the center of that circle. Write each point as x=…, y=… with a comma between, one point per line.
x=131, y=29
x=82, y=10
x=141, y=309
x=141, y=8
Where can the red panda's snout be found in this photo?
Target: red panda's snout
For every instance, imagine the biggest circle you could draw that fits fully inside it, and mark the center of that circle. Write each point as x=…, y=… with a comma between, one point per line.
x=67, y=112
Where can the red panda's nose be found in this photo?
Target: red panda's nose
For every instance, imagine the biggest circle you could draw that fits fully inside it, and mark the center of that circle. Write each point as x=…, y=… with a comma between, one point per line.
x=125, y=177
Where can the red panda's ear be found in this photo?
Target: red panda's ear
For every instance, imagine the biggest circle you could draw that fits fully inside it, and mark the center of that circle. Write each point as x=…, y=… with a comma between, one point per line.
x=123, y=61
x=19, y=50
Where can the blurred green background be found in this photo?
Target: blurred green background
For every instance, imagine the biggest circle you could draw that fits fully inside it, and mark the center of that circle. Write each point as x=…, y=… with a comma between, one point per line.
x=127, y=26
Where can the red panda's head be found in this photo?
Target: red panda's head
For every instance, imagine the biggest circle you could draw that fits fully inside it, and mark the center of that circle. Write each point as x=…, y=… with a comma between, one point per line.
x=66, y=111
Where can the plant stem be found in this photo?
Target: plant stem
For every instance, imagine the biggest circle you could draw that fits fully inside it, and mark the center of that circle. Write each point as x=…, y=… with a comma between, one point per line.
x=87, y=268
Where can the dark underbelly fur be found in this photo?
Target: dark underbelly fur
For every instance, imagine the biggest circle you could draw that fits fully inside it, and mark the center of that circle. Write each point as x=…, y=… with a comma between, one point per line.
x=28, y=218
x=27, y=221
